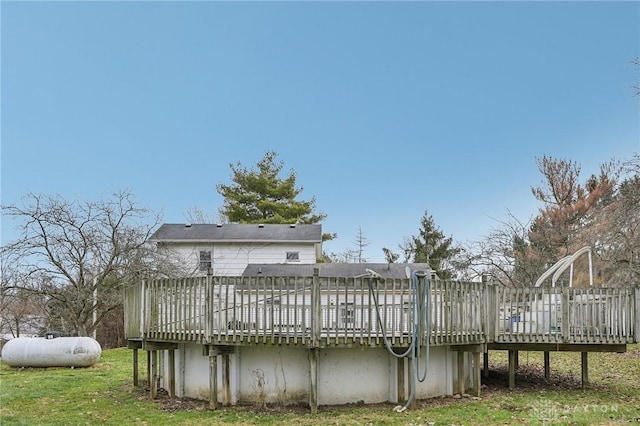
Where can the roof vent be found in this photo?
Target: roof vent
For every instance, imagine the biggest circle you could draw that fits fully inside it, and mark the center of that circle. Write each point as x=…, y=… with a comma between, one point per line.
x=218, y=225
x=293, y=225
x=261, y=225
x=188, y=225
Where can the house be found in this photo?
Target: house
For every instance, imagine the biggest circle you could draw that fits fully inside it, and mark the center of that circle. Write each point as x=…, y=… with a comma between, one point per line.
x=228, y=248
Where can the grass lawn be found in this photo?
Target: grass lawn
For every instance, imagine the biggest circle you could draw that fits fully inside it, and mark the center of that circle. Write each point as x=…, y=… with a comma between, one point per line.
x=103, y=394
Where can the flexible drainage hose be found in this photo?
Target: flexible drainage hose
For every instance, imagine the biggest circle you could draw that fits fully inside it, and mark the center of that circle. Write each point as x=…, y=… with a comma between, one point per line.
x=421, y=325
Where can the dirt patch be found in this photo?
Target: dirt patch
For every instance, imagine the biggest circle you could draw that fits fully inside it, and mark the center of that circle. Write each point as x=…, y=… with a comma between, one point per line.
x=528, y=378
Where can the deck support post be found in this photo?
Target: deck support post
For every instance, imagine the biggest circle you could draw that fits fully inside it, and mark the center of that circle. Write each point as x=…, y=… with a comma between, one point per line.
x=402, y=396
x=547, y=365
x=461, y=372
x=226, y=380
x=213, y=379
x=485, y=364
x=585, y=369
x=512, y=369
x=171, y=379
x=476, y=374
x=149, y=369
x=411, y=374
x=313, y=373
x=153, y=373
x=135, y=368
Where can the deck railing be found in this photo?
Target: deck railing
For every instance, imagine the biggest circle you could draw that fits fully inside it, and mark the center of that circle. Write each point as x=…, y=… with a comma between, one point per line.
x=301, y=310
x=314, y=311
x=133, y=304
x=566, y=315
x=175, y=309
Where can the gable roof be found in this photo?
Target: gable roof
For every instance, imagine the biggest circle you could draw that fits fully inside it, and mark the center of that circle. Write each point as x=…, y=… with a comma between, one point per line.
x=234, y=232
x=347, y=270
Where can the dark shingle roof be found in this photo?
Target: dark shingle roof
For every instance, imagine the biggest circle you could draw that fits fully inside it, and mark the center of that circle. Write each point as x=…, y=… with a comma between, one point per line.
x=171, y=232
x=347, y=270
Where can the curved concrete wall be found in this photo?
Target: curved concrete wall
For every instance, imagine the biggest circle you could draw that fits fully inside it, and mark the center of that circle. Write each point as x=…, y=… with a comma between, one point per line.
x=281, y=375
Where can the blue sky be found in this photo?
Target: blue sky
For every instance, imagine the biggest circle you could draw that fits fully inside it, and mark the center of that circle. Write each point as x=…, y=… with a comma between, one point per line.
x=383, y=109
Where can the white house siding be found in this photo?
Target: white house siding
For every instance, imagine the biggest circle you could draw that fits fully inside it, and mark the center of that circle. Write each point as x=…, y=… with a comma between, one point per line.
x=281, y=375
x=231, y=259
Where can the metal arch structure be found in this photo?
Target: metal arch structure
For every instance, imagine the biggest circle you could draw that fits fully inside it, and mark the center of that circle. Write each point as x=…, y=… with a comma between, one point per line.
x=566, y=262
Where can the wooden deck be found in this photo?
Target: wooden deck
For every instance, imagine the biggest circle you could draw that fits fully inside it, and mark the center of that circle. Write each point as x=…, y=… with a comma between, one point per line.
x=312, y=312
x=345, y=312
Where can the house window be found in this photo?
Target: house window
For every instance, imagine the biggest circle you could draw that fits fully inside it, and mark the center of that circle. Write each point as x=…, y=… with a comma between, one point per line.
x=205, y=260
x=293, y=256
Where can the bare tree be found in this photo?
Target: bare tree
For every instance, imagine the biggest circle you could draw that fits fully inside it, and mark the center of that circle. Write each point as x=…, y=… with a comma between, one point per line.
x=79, y=254
x=361, y=243
x=501, y=255
x=408, y=248
x=197, y=215
x=20, y=311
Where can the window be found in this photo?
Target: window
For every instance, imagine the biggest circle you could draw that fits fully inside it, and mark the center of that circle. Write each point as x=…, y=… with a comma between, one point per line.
x=347, y=314
x=293, y=256
x=205, y=260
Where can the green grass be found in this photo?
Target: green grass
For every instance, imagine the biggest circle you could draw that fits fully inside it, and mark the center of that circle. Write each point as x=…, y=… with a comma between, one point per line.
x=103, y=394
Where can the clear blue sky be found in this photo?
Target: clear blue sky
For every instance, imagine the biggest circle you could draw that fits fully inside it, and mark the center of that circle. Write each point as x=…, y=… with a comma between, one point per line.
x=383, y=109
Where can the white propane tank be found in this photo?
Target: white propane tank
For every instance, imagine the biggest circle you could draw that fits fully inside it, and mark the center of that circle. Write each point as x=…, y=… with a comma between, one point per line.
x=56, y=352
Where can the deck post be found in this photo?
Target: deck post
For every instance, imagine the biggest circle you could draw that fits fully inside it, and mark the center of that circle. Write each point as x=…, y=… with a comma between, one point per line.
x=208, y=311
x=154, y=374
x=547, y=365
x=316, y=314
x=411, y=374
x=516, y=359
x=461, y=387
x=585, y=369
x=476, y=374
x=313, y=376
x=172, y=374
x=226, y=380
x=148, y=369
x=485, y=364
x=213, y=378
x=402, y=396
x=512, y=369
x=565, y=315
x=496, y=319
x=135, y=368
